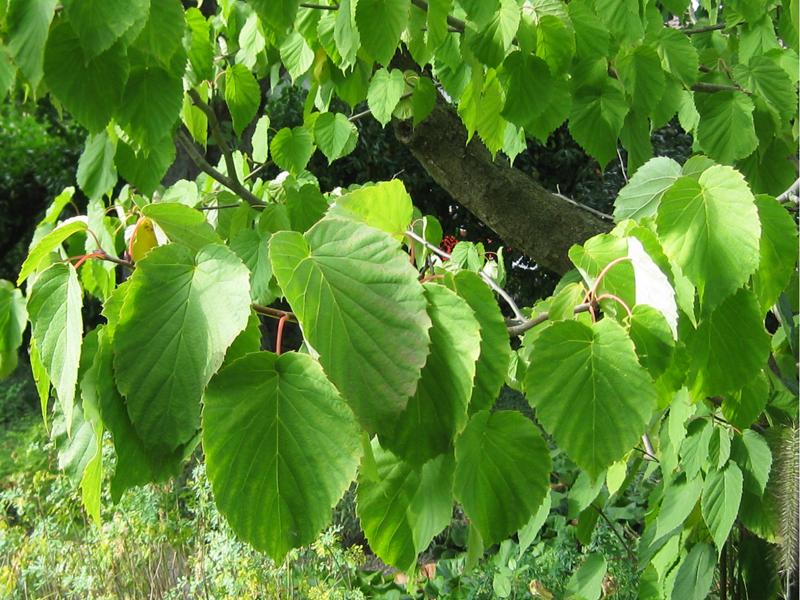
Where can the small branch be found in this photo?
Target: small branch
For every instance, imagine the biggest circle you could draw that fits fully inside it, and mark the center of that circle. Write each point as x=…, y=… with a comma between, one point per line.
x=710, y=88
x=275, y=313
x=787, y=195
x=514, y=330
x=232, y=184
x=319, y=6
x=103, y=255
x=227, y=154
x=489, y=281
x=622, y=540
x=220, y=207
x=456, y=24
x=704, y=29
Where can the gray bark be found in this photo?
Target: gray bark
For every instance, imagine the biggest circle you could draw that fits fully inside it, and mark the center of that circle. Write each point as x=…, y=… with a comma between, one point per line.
x=524, y=214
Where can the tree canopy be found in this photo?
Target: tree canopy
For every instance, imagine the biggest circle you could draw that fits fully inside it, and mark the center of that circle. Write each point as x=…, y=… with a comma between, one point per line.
x=651, y=360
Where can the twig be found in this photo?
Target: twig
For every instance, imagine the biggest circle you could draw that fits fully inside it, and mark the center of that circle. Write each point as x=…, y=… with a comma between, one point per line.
x=275, y=313
x=618, y=300
x=319, y=6
x=710, y=88
x=610, y=523
x=279, y=336
x=489, y=281
x=704, y=29
x=456, y=24
x=232, y=184
x=787, y=195
x=514, y=330
x=220, y=207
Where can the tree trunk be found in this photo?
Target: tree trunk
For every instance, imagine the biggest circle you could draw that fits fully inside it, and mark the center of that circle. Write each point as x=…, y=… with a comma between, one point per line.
x=524, y=214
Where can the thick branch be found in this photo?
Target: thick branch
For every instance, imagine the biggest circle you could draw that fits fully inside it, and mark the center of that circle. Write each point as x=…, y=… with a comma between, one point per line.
x=523, y=213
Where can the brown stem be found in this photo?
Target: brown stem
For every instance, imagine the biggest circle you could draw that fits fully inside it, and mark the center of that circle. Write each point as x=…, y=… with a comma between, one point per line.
x=275, y=313
x=704, y=29
x=216, y=132
x=279, y=336
x=710, y=88
x=230, y=183
x=456, y=24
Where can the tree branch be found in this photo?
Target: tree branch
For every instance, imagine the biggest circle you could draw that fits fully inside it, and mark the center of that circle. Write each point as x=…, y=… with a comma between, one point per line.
x=489, y=281
x=514, y=330
x=710, y=88
x=524, y=214
x=319, y=6
x=704, y=29
x=275, y=313
x=230, y=183
x=233, y=181
x=456, y=24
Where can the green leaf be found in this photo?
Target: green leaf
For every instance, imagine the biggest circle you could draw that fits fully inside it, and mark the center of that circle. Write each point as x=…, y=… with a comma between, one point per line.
x=335, y=135
x=765, y=77
x=200, y=48
x=679, y=500
x=591, y=36
x=278, y=14
x=502, y=472
x=153, y=101
x=181, y=313
x=528, y=533
x=146, y=168
x=281, y=448
x=345, y=33
x=54, y=307
x=589, y=391
x=304, y=206
x=778, y=245
x=730, y=347
x=357, y=299
x=404, y=507
x=639, y=69
x=253, y=249
x=385, y=91
x=91, y=90
x=528, y=77
x=260, y=139
x=678, y=55
x=41, y=379
x=13, y=319
x=695, y=574
x=710, y=228
x=652, y=336
x=726, y=131
x=385, y=206
x=751, y=452
x=161, y=35
x=100, y=23
x=555, y=42
x=291, y=149
x=28, y=24
x=182, y=224
x=242, y=95
x=495, y=350
x=251, y=42
x=694, y=449
x=380, y=24
x=722, y=494
x=597, y=115
x=49, y=243
x=741, y=409
x=423, y=99
x=296, y=55
x=437, y=412
x=587, y=582
x=640, y=197
x=490, y=42
x=96, y=173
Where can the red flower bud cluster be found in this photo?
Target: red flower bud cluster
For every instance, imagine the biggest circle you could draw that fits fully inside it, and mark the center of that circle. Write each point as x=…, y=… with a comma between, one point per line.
x=448, y=243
